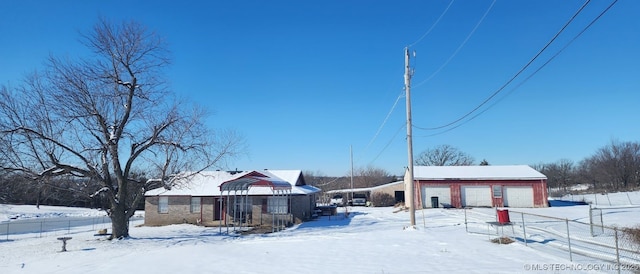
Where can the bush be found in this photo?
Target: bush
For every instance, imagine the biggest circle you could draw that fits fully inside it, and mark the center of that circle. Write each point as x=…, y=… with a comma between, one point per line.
x=382, y=199
x=632, y=234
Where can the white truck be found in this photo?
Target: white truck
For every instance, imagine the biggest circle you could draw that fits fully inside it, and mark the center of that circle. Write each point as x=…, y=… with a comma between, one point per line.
x=359, y=200
x=337, y=200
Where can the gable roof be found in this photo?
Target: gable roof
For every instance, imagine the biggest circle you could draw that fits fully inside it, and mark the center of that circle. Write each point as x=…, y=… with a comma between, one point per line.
x=207, y=183
x=510, y=172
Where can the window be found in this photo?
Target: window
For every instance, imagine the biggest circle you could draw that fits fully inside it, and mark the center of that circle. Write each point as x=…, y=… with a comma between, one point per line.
x=278, y=205
x=163, y=204
x=195, y=204
x=497, y=191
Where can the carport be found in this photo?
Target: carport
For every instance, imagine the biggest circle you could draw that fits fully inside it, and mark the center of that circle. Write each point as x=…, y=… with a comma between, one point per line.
x=239, y=189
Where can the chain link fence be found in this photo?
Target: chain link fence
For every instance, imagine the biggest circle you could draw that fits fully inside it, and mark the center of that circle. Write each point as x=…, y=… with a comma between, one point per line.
x=580, y=242
x=43, y=227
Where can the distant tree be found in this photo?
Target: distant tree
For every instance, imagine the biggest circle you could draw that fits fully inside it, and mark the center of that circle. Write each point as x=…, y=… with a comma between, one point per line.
x=371, y=176
x=484, y=162
x=315, y=178
x=615, y=166
x=560, y=175
x=444, y=155
x=105, y=117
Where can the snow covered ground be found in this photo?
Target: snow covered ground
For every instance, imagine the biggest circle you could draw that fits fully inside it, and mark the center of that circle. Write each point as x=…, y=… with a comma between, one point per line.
x=369, y=240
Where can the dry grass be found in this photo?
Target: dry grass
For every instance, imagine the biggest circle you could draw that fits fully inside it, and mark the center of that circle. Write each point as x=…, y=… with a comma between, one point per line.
x=632, y=234
x=502, y=240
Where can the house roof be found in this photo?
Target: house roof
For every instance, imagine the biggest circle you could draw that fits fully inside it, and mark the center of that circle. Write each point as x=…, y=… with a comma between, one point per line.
x=510, y=172
x=207, y=183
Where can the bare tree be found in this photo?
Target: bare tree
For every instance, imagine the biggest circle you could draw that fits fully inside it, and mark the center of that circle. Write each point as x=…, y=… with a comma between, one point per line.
x=444, y=155
x=616, y=166
x=104, y=118
x=371, y=176
x=560, y=175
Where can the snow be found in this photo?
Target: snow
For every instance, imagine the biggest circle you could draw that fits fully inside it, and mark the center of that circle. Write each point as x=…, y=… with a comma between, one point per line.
x=14, y=212
x=207, y=183
x=509, y=172
x=368, y=240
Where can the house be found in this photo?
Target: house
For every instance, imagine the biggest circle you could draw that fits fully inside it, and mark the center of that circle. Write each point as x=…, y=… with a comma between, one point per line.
x=479, y=186
x=223, y=198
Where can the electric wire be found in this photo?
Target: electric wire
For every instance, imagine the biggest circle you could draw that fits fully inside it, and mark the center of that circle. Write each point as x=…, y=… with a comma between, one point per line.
x=388, y=143
x=384, y=122
x=432, y=26
x=514, y=76
x=532, y=74
x=459, y=47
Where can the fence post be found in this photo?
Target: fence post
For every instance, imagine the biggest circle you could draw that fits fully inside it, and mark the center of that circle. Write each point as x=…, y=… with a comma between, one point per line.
x=41, y=227
x=591, y=221
x=524, y=229
x=465, y=221
x=615, y=229
x=8, y=230
x=569, y=239
x=69, y=228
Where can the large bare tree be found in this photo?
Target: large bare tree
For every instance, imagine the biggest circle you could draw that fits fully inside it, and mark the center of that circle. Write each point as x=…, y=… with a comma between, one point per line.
x=444, y=155
x=108, y=118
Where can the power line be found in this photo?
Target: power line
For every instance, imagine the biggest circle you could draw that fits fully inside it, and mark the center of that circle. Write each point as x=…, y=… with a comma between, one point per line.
x=459, y=47
x=432, y=26
x=514, y=76
x=388, y=143
x=384, y=121
x=532, y=74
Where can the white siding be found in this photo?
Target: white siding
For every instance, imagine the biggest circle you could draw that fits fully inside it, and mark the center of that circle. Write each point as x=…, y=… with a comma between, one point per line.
x=518, y=196
x=476, y=196
x=442, y=192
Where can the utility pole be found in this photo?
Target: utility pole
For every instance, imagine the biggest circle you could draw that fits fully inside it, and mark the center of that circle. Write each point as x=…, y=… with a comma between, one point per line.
x=409, y=180
x=351, y=157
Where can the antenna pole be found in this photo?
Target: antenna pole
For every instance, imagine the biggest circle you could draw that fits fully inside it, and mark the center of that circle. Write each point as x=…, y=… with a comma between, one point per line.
x=409, y=176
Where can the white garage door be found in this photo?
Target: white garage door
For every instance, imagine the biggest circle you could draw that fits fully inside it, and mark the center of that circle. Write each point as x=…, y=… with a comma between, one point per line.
x=521, y=196
x=476, y=196
x=442, y=192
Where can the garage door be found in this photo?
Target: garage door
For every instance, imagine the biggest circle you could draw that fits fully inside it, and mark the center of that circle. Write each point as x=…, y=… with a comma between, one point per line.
x=518, y=196
x=476, y=196
x=442, y=192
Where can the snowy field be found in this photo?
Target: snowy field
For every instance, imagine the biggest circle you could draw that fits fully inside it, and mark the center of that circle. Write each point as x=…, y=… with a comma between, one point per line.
x=369, y=240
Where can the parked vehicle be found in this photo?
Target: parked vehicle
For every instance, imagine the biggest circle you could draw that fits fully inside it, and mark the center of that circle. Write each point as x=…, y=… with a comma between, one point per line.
x=337, y=200
x=359, y=200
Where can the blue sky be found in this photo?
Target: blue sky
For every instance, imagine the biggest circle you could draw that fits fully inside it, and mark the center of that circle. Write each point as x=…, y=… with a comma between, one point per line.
x=303, y=81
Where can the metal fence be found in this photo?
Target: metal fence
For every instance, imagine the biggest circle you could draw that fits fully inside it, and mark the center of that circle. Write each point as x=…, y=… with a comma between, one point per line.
x=580, y=242
x=42, y=227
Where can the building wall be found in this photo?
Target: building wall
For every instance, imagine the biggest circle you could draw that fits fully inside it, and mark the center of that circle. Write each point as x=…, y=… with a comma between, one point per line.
x=179, y=211
x=301, y=208
x=391, y=189
x=539, y=190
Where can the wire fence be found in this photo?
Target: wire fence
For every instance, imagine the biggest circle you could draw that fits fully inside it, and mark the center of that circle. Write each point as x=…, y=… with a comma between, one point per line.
x=43, y=227
x=615, y=248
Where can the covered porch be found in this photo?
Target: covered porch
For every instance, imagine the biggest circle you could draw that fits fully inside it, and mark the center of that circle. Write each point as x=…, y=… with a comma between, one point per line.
x=255, y=202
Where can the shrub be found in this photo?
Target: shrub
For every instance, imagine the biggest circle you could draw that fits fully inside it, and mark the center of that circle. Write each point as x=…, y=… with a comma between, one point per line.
x=382, y=199
x=632, y=234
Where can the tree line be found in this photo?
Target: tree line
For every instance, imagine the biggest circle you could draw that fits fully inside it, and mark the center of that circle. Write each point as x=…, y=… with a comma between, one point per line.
x=612, y=168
